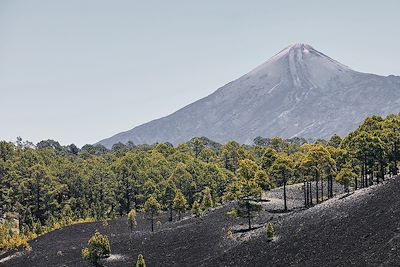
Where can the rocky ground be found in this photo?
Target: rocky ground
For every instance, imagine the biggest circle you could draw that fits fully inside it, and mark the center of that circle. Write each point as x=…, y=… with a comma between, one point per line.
x=360, y=229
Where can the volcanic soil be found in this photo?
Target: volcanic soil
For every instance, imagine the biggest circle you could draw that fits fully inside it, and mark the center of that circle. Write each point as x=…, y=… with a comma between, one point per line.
x=359, y=229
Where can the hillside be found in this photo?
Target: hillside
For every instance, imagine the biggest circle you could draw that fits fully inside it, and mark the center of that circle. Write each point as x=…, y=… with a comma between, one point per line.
x=361, y=229
x=298, y=92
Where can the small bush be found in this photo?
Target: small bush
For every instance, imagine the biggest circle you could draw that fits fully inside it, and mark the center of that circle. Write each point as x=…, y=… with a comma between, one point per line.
x=207, y=201
x=196, y=210
x=140, y=261
x=270, y=232
x=132, y=219
x=98, y=248
x=233, y=213
x=10, y=239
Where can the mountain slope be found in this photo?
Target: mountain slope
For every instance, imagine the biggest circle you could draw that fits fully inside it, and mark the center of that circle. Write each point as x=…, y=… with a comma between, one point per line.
x=359, y=230
x=298, y=92
x=362, y=229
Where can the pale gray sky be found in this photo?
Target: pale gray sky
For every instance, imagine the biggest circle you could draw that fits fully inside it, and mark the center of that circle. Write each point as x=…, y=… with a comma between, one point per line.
x=78, y=71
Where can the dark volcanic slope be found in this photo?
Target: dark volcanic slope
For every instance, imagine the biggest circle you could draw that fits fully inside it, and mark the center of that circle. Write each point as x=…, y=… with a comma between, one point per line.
x=362, y=229
x=298, y=92
x=184, y=243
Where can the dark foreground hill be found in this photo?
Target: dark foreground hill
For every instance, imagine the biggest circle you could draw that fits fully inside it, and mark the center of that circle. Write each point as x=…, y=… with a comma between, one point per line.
x=362, y=229
x=298, y=92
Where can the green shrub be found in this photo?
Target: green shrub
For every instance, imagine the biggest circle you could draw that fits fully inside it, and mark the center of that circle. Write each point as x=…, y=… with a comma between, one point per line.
x=98, y=248
x=270, y=232
x=196, y=210
x=140, y=261
x=132, y=219
x=207, y=201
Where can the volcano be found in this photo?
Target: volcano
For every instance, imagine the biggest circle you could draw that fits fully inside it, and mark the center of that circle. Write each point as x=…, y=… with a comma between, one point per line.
x=299, y=92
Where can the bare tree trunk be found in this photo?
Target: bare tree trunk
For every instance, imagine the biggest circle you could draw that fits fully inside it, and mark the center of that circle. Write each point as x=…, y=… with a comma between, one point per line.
x=322, y=190
x=316, y=186
x=395, y=158
x=170, y=213
x=248, y=214
x=305, y=194
x=152, y=223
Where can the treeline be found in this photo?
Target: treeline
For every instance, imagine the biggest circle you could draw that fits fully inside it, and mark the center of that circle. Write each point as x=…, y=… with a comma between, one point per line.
x=48, y=185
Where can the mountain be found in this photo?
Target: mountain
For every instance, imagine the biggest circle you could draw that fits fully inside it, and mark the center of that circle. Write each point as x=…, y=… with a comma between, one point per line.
x=298, y=92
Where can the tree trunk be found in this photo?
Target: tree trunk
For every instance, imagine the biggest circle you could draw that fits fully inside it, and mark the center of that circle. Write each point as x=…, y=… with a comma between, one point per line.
x=322, y=190
x=284, y=195
x=355, y=181
x=362, y=176
x=152, y=222
x=395, y=157
x=305, y=194
x=128, y=202
x=308, y=194
x=365, y=172
x=371, y=178
x=248, y=214
x=316, y=186
x=329, y=186
x=170, y=213
x=311, y=203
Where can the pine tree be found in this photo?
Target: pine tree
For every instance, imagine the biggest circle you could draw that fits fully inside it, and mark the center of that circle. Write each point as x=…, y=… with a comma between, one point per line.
x=246, y=191
x=152, y=207
x=282, y=169
x=317, y=163
x=169, y=194
x=346, y=177
x=196, y=210
x=126, y=169
x=180, y=203
x=98, y=248
x=132, y=219
x=140, y=261
x=206, y=201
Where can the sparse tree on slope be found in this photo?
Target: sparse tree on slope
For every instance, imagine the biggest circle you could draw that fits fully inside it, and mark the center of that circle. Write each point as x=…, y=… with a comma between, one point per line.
x=346, y=177
x=152, y=208
x=98, y=248
x=132, y=219
x=317, y=162
x=168, y=197
x=270, y=232
x=140, y=261
x=196, y=209
x=247, y=194
x=282, y=170
x=246, y=191
x=180, y=203
x=206, y=201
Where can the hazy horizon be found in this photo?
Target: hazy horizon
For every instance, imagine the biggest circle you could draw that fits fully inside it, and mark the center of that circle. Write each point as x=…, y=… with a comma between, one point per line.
x=79, y=72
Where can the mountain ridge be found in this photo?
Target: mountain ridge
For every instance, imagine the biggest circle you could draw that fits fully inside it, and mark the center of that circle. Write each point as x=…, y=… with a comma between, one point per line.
x=297, y=92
